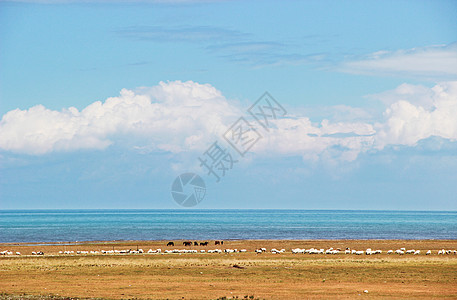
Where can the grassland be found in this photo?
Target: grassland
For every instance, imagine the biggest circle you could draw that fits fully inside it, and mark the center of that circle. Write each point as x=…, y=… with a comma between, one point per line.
x=213, y=276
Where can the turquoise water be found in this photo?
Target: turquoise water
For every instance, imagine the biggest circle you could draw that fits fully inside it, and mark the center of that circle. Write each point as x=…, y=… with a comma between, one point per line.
x=87, y=225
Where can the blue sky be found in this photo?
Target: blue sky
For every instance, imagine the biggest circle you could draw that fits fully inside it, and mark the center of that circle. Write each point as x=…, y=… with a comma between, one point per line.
x=103, y=105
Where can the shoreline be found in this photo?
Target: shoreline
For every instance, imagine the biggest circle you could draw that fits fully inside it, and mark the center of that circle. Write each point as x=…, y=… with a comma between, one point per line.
x=46, y=243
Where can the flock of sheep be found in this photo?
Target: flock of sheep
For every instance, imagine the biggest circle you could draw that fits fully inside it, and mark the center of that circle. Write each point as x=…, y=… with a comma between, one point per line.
x=368, y=251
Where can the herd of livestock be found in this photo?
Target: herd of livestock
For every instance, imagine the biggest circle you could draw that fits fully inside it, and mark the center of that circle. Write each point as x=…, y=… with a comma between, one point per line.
x=369, y=251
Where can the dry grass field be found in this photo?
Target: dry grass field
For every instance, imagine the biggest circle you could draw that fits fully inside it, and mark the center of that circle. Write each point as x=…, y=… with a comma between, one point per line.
x=213, y=276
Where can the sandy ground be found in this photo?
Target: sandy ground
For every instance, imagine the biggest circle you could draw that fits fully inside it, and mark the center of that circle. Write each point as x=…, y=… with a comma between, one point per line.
x=231, y=275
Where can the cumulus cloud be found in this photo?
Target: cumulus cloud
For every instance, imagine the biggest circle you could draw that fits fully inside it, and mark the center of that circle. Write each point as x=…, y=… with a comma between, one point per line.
x=433, y=63
x=301, y=137
x=407, y=123
x=414, y=94
x=187, y=116
x=174, y=116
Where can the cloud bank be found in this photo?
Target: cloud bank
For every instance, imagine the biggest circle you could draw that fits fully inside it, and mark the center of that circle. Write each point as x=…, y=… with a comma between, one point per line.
x=175, y=117
x=188, y=116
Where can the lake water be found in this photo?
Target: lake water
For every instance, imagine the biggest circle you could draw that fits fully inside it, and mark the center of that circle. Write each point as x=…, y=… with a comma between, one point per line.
x=90, y=225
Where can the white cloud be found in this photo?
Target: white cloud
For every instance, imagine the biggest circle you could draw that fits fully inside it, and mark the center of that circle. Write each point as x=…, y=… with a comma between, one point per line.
x=432, y=63
x=174, y=116
x=407, y=123
x=188, y=116
x=345, y=140
x=414, y=94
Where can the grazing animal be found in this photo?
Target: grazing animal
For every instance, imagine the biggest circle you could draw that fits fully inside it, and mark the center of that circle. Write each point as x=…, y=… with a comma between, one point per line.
x=187, y=243
x=170, y=244
x=195, y=243
x=217, y=242
x=428, y=252
x=203, y=243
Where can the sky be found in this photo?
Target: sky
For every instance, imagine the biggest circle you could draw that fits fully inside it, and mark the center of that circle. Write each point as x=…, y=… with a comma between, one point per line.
x=104, y=104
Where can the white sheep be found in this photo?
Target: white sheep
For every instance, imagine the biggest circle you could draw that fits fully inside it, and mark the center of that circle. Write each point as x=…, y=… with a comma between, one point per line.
x=313, y=251
x=428, y=252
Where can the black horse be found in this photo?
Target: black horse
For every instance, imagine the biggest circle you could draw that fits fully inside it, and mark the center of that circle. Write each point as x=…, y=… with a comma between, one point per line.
x=187, y=243
x=170, y=244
